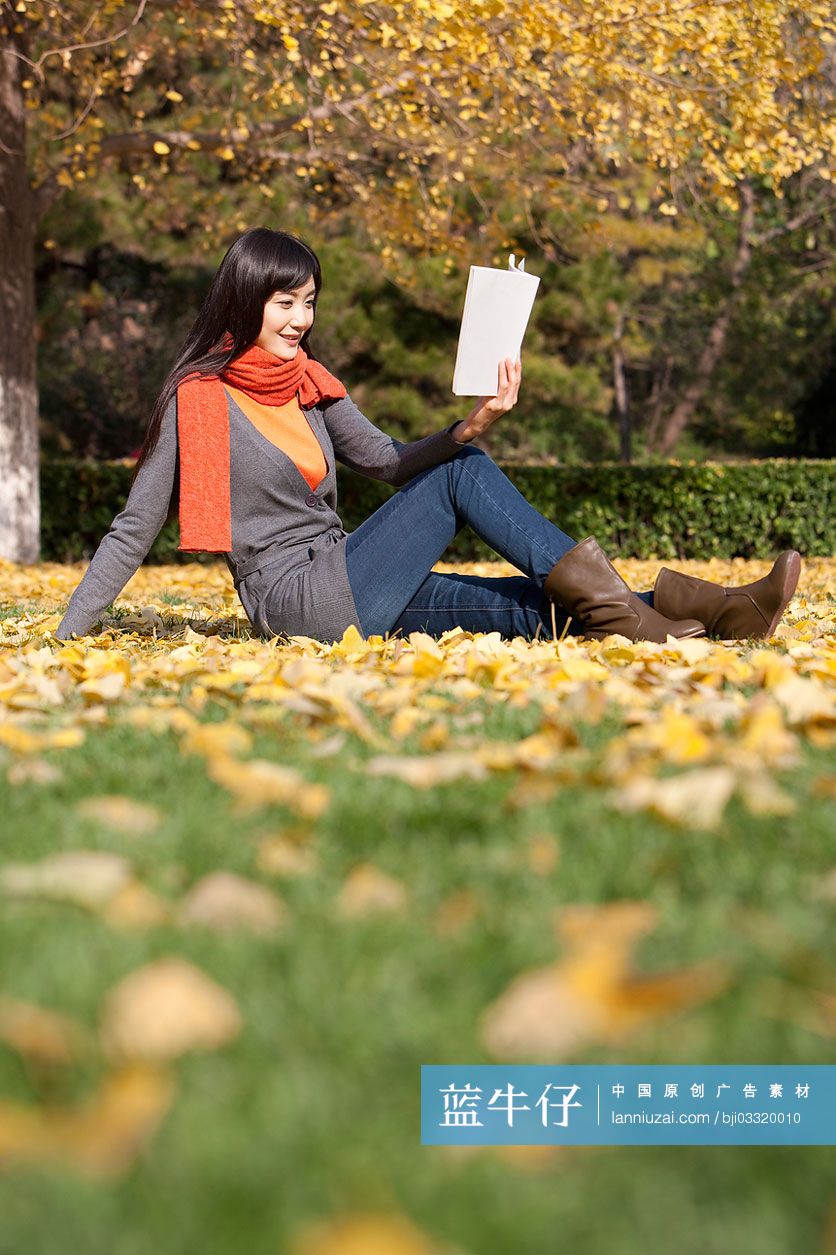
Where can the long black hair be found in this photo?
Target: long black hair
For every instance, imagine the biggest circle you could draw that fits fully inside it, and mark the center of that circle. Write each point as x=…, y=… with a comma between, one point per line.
x=259, y=263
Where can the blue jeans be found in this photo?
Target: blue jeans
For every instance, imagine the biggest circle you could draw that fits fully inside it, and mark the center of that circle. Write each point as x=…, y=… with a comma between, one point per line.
x=390, y=557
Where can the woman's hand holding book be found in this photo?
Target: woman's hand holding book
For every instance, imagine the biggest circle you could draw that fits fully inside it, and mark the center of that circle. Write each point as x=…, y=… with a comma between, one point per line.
x=488, y=409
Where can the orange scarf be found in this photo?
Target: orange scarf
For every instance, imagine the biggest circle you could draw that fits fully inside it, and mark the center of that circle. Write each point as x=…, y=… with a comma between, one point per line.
x=203, y=434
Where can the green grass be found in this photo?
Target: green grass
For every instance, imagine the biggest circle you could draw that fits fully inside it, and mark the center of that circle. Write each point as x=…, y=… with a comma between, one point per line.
x=314, y=1110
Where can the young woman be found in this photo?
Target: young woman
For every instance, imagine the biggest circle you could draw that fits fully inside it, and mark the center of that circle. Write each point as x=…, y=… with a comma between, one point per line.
x=244, y=438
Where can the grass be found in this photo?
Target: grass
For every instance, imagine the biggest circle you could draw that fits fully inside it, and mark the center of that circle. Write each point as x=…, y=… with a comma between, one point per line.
x=313, y=1111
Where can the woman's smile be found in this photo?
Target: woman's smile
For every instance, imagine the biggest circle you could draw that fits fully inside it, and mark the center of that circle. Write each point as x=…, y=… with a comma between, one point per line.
x=287, y=316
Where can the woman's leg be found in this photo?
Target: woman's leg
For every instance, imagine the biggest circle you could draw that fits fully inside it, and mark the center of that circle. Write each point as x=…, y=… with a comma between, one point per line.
x=391, y=554
x=511, y=605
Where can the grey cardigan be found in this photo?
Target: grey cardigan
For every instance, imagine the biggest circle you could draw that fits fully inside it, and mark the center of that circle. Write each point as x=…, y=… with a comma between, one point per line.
x=287, y=540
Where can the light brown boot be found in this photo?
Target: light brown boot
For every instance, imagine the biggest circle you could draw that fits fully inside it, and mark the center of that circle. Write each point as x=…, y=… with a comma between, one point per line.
x=586, y=584
x=732, y=614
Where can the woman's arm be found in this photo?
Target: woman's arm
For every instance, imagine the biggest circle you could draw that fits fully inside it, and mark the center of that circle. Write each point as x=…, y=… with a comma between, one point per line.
x=131, y=535
x=365, y=448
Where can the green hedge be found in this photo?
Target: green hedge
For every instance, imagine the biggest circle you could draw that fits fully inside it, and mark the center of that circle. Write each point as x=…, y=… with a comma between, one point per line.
x=746, y=509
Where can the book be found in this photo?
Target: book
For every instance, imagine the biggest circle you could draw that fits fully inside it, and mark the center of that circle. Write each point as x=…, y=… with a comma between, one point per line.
x=497, y=307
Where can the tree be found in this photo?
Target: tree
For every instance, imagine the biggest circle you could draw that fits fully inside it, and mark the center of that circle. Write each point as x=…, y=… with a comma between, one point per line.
x=407, y=110
x=749, y=240
x=19, y=498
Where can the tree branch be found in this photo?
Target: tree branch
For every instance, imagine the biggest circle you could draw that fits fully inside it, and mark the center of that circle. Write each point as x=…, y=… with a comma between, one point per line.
x=131, y=142
x=71, y=130
x=803, y=219
x=37, y=66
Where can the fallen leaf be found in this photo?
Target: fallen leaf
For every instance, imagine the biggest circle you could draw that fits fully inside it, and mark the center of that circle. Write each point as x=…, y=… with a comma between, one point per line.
x=41, y=1035
x=369, y=891
x=762, y=796
x=87, y=878
x=100, y=1138
x=404, y=721
x=33, y=771
x=766, y=736
x=592, y=994
x=124, y=814
x=104, y=688
x=135, y=906
x=328, y=746
x=426, y=773
x=805, y=701
x=22, y=741
x=676, y=737
x=690, y=649
x=258, y=782
x=212, y=739
x=824, y=786
x=435, y=736
x=164, y=1009
x=223, y=901
x=695, y=799
x=279, y=856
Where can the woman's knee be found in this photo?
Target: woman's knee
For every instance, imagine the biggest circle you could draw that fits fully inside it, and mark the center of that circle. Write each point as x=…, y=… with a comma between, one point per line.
x=470, y=459
x=471, y=451
x=447, y=471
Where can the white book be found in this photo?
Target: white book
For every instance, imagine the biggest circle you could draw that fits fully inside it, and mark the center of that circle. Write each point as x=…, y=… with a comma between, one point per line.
x=497, y=307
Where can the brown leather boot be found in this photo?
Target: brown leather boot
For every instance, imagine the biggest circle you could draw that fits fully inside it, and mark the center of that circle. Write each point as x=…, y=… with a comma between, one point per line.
x=732, y=614
x=588, y=586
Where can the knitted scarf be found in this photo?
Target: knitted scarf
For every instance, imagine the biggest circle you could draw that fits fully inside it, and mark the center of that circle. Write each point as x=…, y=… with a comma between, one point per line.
x=203, y=434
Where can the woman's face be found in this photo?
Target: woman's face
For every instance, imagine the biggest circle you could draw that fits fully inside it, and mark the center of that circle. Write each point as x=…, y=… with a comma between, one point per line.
x=287, y=316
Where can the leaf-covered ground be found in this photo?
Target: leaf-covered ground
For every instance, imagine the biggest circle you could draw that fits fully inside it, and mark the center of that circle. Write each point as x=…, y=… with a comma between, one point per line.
x=248, y=887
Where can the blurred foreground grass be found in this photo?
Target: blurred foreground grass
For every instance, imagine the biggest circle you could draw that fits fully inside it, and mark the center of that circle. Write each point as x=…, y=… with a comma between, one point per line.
x=434, y=815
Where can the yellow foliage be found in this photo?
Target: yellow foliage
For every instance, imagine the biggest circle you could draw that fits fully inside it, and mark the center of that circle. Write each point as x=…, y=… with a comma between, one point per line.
x=745, y=86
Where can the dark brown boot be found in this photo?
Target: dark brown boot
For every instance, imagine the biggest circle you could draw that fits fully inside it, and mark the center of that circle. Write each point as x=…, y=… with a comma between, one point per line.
x=586, y=584
x=732, y=614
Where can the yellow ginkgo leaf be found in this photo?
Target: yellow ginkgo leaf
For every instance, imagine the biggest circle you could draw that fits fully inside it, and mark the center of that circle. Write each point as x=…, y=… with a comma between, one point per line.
x=124, y=814
x=100, y=1138
x=41, y=1035
x=427, y=772
x=165, y=1009
x=369, y=891
x=223, y=901
x=258, y=782
x=87, y=878
x=693, y=799
x=593, y=994
x=211, y=739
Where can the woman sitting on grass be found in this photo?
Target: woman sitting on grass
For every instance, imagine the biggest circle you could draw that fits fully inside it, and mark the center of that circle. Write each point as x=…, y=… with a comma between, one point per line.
x=245, y=436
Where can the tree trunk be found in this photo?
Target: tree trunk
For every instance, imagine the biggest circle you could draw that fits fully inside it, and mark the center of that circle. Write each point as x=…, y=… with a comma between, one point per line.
x=622, y=404
x=684, y=411
x=656, y=400
x=20, y=513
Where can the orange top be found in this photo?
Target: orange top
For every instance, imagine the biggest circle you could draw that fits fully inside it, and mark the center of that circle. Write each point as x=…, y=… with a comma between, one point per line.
x=287, y=427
